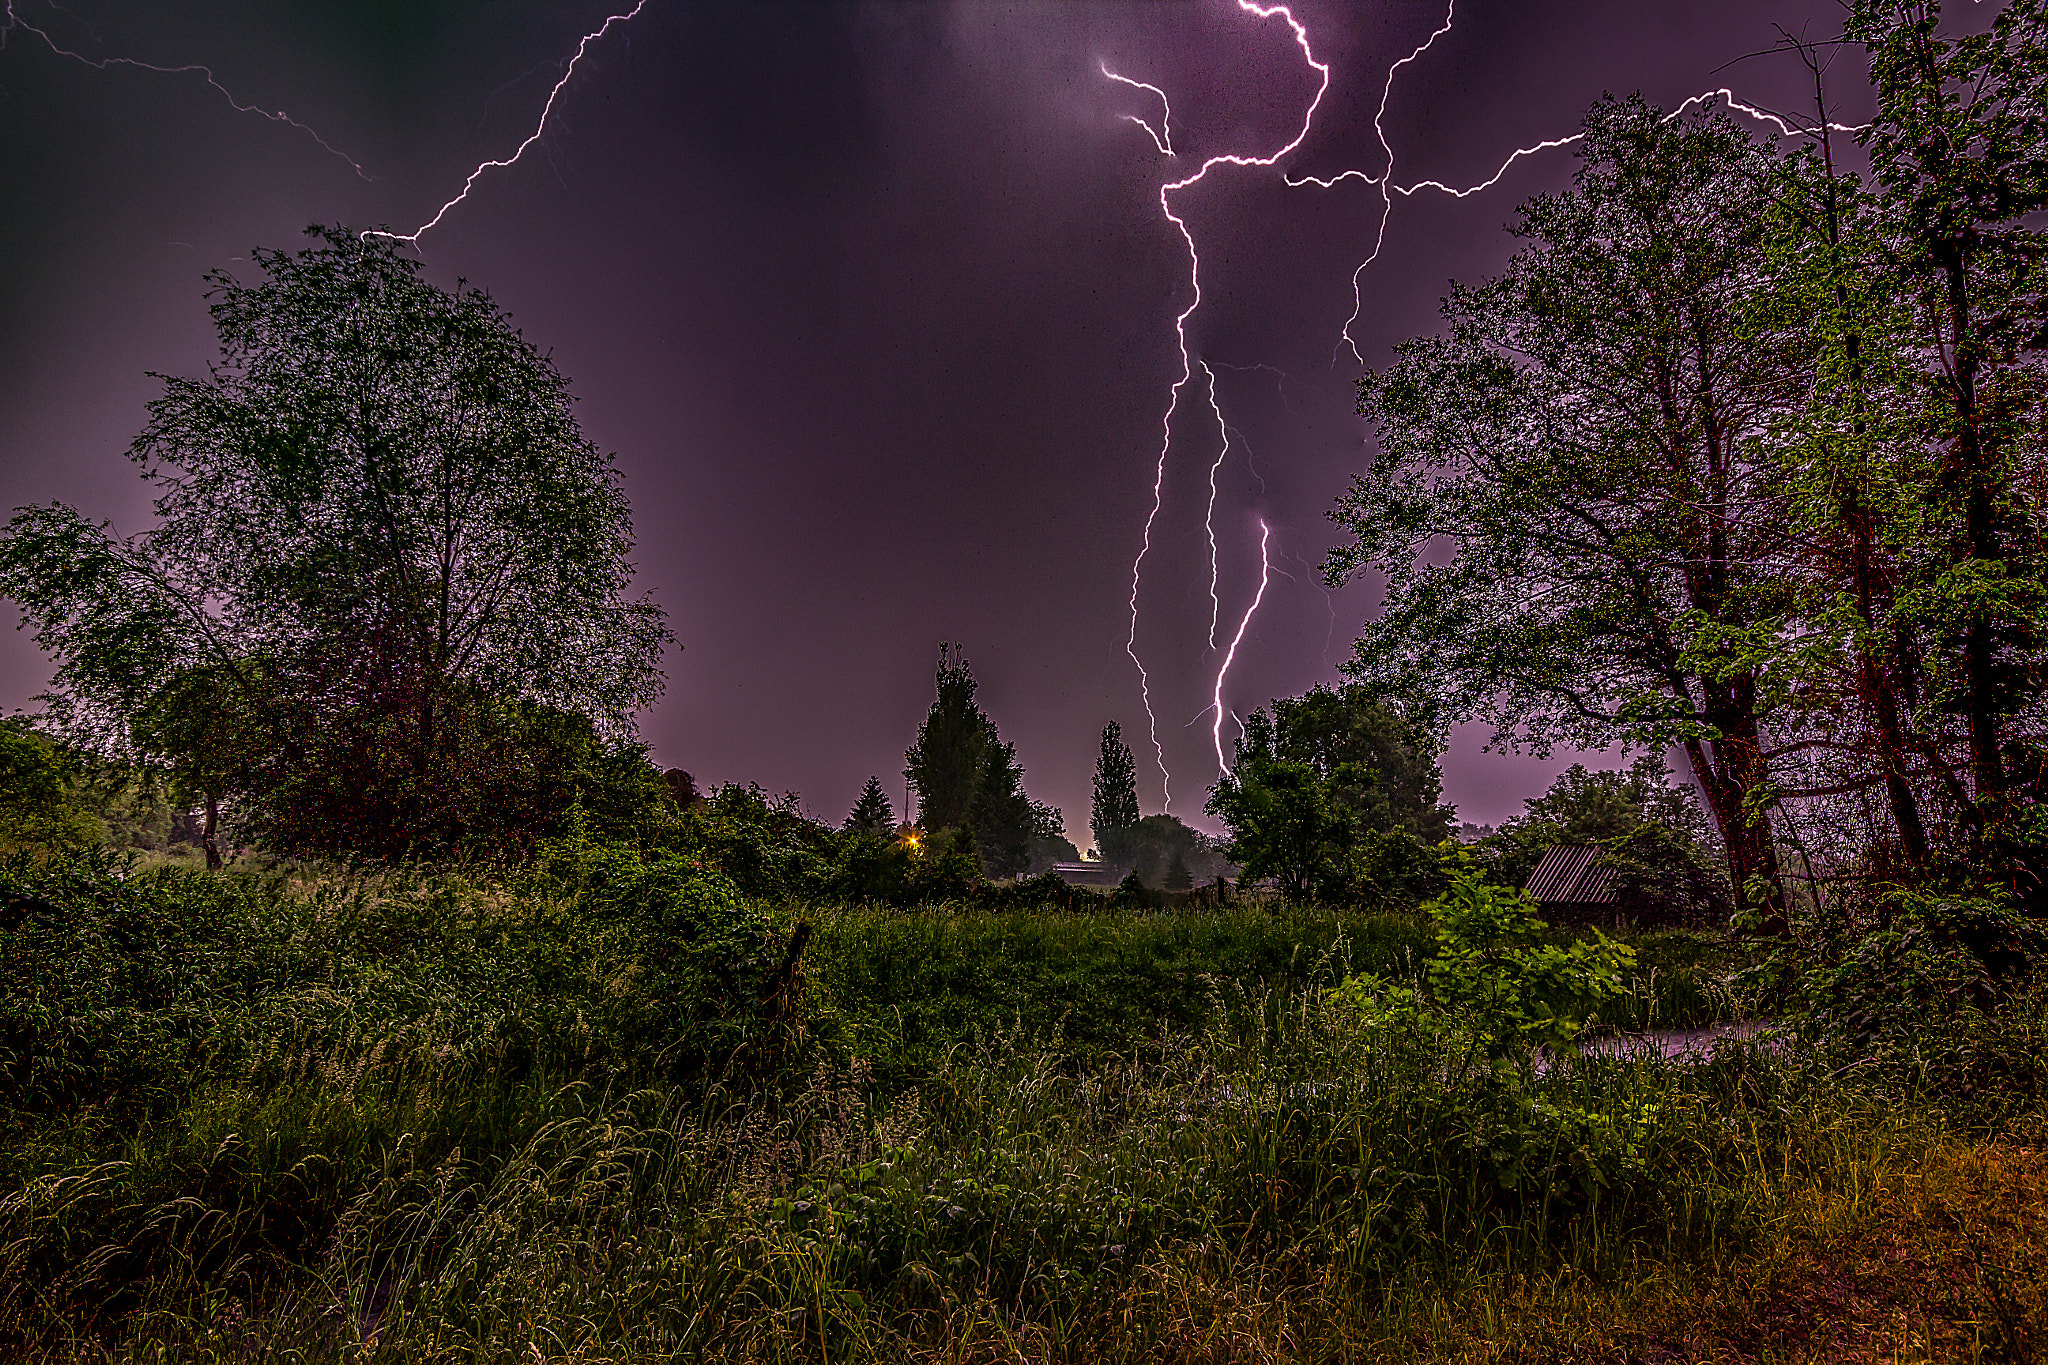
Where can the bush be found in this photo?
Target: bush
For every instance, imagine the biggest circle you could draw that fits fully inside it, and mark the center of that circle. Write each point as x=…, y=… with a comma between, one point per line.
x=1494, y=983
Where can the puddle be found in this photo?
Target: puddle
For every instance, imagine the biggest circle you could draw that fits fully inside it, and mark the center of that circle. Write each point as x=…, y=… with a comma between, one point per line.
x=1671, y=1043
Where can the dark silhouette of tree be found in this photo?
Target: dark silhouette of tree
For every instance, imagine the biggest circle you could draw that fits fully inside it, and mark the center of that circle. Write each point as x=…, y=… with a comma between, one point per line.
x=872, y=813
x=1115, y=808
x=944, y=763
x=1001, y=813
x=1177, y=877
x=965, y=774
x=382, y=544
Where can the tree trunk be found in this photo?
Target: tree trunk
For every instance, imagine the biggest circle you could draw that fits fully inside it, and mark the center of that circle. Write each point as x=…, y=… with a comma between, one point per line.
x=1734, y=776
x=210, y=838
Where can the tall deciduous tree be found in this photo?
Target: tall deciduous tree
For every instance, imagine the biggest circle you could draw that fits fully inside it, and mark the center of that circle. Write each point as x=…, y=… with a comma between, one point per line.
x=1959, y=149
x=377, y=521
x=1571, y=481
x=1284, y=821
x=1391, y=779
x=1115, y=807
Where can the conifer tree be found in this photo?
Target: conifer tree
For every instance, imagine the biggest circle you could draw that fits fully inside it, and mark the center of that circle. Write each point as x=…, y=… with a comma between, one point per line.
x=872, y=813
x=953, y=745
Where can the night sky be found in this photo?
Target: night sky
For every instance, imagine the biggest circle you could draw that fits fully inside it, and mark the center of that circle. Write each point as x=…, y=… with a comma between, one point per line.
x=874, y=304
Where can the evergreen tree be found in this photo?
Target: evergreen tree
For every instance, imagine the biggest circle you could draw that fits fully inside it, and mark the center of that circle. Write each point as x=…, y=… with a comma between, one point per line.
x=872, y=814
x=1001, y=814
x=1178, y=878
x=966, y=775
x=1116, y=793
x=953, y=745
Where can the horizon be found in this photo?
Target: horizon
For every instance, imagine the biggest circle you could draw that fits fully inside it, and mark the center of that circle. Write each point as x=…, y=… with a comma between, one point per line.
x=874, y=305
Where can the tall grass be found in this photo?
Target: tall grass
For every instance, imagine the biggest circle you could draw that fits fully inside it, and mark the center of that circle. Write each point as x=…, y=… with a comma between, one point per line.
x=412, y=1122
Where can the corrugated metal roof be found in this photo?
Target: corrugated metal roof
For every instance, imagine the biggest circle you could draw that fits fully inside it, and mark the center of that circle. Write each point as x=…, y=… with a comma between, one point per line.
x=1569, y=875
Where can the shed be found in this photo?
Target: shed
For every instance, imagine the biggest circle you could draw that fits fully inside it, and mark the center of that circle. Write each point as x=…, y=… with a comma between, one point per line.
x=1570, y=881
x=1091, y=873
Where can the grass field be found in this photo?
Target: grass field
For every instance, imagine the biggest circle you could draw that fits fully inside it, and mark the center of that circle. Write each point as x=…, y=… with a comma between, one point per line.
x=302, y=1116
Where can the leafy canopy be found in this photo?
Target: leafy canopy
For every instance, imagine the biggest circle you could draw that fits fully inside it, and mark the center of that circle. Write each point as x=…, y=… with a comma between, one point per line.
x=375, y=511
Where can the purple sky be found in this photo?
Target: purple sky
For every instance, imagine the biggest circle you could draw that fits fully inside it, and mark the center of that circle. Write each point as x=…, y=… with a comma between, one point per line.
x=874, y=304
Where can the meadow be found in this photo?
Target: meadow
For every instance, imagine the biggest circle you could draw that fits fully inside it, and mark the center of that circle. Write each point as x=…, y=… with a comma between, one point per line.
x=300, y=1114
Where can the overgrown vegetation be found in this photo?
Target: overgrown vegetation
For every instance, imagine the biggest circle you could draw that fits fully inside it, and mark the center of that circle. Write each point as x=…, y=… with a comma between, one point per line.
x=569, y=1061
x=595, y=1111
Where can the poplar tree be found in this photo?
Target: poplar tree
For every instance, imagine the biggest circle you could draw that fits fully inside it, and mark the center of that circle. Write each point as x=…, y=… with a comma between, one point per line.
x=1115, y=807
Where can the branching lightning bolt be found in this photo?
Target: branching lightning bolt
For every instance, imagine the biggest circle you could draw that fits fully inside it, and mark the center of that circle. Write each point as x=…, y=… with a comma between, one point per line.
x=1265, y=576
x=540, y=126
x=1385, y=183
x=1162, y=136
x=14, y=21
x=1385, y=178
x=1187, y=368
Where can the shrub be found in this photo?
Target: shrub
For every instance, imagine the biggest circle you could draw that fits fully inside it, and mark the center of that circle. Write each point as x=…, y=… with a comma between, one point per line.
x=1493, y=980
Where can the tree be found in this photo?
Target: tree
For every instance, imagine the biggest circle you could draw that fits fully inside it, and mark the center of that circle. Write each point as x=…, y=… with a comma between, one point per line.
x=1588, y=441
x=1001, y=814
x=38, y=801
x=1049, y=842
x=1959, y=148
x=377, y=522
x=872, y=814
x=1655, y=844
x=965, y=774
x=945, y=761
x=1115, y=807
x=1394, y=782
x=1283, y=820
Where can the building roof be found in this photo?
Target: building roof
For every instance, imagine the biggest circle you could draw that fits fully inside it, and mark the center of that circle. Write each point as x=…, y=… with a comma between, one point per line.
x=1569, y=874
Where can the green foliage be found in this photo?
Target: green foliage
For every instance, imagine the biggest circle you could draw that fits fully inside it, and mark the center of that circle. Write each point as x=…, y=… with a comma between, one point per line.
x=39, y=803
x=1494, y=982
x=1333, y=795
x=1574, y=437
x=957, y=870
x=464, y=1117
x=1284, y=825
x=314, y=629
x=1001, y=815
x=965, y=775
x=1655, y=845
x=1380, y=764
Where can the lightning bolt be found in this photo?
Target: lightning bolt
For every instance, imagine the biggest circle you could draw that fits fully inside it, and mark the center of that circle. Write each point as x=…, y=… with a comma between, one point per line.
x=1187, y=367
x=13, y=21
x=1265, y=576
x=1385, y=179
x=1209, y=517
x=1162, y=136
x=1385, y=183
x=539, y=127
